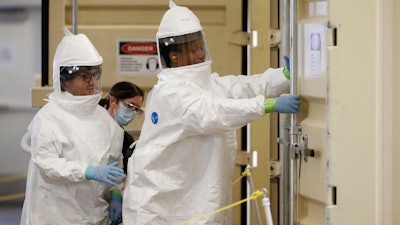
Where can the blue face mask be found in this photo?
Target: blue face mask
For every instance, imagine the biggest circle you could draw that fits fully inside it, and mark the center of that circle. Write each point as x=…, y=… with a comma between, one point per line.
x=124, y=115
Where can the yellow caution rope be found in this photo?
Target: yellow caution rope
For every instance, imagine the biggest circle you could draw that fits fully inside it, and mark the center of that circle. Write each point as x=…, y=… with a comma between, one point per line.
x=253, y=196
x=245, y=173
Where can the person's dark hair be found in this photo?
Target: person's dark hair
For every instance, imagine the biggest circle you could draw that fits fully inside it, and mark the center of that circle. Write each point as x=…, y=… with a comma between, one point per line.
x=122, y=90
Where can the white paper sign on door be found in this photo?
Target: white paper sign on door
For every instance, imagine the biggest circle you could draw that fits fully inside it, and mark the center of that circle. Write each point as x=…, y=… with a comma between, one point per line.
x=137, y=58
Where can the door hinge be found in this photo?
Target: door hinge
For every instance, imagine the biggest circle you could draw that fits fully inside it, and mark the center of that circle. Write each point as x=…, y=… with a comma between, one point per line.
x=244, y=38
x=274, y=37
x=244, y=158
x=275, y=169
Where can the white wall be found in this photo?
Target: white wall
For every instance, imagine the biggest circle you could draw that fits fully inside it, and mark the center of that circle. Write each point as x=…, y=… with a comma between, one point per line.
x=20, y=59
x=13, y=160
x=20, y=53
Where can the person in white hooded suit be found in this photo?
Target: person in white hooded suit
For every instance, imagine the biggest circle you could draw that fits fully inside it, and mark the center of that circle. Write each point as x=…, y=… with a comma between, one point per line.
x=75, y=146
x=185, y=156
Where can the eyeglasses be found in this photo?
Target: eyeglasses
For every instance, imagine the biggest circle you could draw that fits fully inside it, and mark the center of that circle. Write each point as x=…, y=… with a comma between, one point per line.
x=132, y=107
x=87, y=77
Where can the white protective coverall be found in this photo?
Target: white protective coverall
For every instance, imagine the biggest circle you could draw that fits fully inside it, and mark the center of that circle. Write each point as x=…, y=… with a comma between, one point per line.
x=185, y=157
x=68, y=134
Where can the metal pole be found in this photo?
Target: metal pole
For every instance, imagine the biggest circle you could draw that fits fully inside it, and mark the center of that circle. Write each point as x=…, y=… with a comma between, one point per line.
x=284, y=27
x=285, y=178
x=293, y=120
x=284, y=181
x=74, y=16
x=255, y=204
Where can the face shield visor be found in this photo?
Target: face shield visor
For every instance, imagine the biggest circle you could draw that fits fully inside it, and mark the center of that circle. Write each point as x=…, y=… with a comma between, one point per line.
x=183, y=50
x=81, y=80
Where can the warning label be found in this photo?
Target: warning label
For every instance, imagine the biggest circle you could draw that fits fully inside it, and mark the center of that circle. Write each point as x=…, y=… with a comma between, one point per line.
x=137, y=58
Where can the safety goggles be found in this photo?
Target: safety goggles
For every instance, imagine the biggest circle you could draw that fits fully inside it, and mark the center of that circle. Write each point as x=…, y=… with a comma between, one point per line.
x=131, y=106
x=70, y=72
x=87, y=77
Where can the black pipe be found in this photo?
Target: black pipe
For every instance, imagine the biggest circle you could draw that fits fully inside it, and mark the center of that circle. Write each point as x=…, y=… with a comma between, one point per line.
x=243, y=209
x=45, y=43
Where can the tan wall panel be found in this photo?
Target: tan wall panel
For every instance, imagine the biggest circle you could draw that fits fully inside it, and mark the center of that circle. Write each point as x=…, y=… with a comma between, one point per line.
x=395, y=56
x=143, y=15
x=260, y=129
x=56, y=22
x=163, y=3
x=106, y=23
x=106, y=38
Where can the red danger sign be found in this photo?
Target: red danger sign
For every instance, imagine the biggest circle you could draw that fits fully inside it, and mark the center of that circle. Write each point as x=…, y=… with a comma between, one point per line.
x=138, y=48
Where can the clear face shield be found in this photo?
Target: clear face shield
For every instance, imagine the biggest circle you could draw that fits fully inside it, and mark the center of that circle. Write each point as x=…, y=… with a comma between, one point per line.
x=183, y=50
x=81, y=80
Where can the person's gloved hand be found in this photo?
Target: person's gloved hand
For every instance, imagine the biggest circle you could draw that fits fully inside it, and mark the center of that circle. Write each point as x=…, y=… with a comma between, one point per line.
x=282, y=104
x=286, y=70
x=287, y=61
x=110, y=174
x=115, y=207
x=287, y=104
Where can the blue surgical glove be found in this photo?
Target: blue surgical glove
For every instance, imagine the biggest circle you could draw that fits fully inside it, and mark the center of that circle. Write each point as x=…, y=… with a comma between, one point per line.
x=115, y=207
x=282, y=104
x=287, y=62
x=286, y=70
x=110, y=174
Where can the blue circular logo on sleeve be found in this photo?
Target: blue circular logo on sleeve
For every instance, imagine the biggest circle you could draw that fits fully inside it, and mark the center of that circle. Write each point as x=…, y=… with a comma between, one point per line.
x=154, y=118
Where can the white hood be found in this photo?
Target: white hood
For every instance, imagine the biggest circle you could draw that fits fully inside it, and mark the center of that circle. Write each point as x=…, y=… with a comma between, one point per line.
x=198, y=74
x=178, y=20
x=73, y=50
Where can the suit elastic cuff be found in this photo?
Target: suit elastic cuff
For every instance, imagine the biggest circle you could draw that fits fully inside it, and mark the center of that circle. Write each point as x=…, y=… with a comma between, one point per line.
x=286, y=72
x=116, y=195
x=269, y=105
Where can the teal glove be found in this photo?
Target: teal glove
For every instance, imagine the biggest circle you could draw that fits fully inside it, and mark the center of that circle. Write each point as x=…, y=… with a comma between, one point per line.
x=282, y=104
x=115, y=207
x=110, y=174
x=286, y=70
x=287, y=62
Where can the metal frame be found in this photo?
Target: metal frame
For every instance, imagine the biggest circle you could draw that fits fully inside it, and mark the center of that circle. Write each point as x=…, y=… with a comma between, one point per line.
x=289, y=139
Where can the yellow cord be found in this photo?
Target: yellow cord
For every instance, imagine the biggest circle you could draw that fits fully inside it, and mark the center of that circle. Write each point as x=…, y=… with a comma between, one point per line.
x=253, y=196
x=245, y=173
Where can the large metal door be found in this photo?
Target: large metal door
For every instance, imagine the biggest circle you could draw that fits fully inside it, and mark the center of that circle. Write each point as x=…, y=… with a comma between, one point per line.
x=360, y=109
x=297, y=163
x=345, y=75
x=313, y=190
